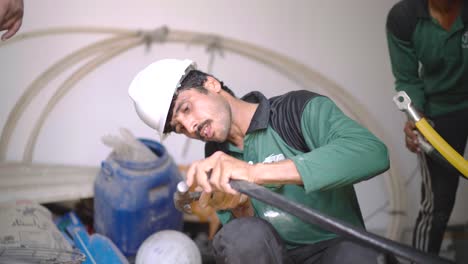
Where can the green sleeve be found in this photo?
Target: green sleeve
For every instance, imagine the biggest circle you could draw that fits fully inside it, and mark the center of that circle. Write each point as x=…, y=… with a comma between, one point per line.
x=405, y=68
x=342, y=151
x=224, y=216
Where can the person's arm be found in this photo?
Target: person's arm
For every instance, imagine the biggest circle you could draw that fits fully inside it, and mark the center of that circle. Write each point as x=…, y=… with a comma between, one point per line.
x=343, y=152
x=401, y=23
x=11, y=17
x=405, y=68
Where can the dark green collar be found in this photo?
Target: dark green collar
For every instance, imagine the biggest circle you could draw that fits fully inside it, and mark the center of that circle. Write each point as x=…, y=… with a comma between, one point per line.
x=262, y=114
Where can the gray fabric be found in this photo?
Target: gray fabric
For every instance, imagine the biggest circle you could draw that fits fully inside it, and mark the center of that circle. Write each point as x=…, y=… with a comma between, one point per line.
x=249, y=240
x=254, y=240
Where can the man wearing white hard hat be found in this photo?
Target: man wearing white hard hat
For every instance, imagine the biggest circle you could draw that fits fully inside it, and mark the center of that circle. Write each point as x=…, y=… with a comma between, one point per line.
x=299, y=145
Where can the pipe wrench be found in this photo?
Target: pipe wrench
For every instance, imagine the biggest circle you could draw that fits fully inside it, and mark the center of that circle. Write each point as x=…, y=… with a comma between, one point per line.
x=183, y=198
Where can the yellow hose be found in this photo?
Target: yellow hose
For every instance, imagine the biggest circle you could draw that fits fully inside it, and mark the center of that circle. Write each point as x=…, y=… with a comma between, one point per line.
x=442, y=146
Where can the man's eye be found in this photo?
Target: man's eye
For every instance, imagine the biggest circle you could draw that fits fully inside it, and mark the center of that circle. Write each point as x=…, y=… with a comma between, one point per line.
x=185, y=109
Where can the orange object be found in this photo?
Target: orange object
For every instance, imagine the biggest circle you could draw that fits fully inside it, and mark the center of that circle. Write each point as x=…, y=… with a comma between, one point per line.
x=203, y=215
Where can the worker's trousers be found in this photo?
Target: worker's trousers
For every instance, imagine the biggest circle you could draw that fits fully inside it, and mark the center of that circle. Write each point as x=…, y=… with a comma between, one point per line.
x=254, y=240
x=439, y=186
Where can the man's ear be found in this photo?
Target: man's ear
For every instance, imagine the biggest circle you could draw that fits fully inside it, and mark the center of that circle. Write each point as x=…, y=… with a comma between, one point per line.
x=212, y=84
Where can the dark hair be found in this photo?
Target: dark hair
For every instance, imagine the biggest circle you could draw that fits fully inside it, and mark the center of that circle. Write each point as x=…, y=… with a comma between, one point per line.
x=195, y=79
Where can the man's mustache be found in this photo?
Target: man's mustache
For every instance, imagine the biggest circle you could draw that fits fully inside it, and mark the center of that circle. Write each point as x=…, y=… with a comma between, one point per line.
x=200, y=127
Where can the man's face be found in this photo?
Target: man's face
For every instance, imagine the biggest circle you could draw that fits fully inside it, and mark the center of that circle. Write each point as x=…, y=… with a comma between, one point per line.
x=201, y=116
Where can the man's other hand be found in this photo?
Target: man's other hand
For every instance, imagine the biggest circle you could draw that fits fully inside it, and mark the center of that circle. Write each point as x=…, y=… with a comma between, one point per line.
x=11, y=17
x=411, y=138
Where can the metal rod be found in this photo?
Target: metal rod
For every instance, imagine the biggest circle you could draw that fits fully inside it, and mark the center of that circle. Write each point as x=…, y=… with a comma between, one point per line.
x=334, y=225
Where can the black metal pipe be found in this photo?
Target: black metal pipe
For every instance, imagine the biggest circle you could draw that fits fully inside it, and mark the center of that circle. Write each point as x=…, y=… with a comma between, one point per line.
x=334, y=225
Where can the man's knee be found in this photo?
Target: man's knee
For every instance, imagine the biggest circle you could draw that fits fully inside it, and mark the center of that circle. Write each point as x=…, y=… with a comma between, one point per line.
x=355, y=253
x=248, y=238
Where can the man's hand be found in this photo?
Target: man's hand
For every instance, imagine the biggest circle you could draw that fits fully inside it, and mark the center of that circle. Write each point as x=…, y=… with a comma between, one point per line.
x=411, y=137
x=11, y=17
x=215, y=172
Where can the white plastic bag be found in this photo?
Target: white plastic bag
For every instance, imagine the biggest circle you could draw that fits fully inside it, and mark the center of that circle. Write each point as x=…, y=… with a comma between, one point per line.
x=127, y=147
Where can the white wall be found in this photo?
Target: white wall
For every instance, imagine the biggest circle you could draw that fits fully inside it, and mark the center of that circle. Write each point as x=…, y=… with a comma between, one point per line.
x=344, y=40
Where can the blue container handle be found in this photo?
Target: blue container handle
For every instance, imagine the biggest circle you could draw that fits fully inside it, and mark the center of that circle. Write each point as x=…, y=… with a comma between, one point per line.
x=107, y=170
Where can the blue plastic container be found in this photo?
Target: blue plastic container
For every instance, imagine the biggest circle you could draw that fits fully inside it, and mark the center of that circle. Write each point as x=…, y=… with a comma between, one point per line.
x=97, y=248
x=133, y=200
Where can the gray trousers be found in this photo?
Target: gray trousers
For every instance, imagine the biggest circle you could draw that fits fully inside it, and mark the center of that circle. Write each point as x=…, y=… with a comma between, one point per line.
x=254, y=240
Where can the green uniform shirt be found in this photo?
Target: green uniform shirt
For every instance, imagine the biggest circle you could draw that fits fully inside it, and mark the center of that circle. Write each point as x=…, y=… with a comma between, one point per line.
x=342, y=153
x=429, y=63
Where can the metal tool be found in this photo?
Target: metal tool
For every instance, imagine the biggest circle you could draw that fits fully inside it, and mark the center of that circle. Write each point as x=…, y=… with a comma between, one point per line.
x=404, y=104
x=334, y=225
x=183, y=198
x=443, y=152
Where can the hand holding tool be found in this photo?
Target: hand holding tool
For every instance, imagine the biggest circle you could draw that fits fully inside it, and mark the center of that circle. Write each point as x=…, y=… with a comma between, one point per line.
x=183, y=198
x=403, y=103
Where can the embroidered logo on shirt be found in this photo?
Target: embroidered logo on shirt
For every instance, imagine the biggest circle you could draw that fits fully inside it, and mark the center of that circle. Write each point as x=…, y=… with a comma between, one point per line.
x=464, y=43
x=274, y=158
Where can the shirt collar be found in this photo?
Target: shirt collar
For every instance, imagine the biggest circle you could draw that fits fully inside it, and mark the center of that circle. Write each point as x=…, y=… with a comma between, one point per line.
x=262, y=114
x=422, y=9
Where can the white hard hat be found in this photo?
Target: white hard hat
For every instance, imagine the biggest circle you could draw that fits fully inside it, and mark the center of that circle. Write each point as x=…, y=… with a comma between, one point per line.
x=152, y=90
